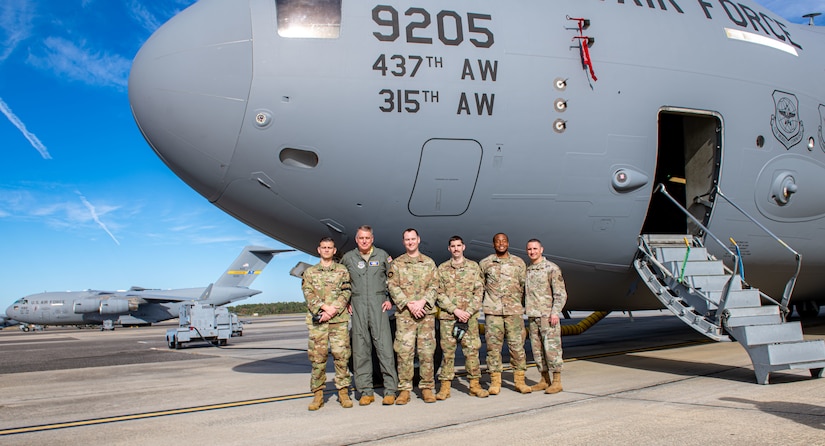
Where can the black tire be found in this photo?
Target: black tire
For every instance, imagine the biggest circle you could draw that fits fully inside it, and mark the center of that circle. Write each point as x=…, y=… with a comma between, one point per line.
x=807, y=310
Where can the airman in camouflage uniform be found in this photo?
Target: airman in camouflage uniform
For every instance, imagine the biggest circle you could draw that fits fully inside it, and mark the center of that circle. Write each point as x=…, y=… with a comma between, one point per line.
x=504, y=277
x=413, y=286
x=326, y=288
x=545, y=296
x=460, y=290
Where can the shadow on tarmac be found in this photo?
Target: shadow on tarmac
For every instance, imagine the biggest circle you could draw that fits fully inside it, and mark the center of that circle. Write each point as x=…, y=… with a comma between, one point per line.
x=293, y=363
x=805, y=414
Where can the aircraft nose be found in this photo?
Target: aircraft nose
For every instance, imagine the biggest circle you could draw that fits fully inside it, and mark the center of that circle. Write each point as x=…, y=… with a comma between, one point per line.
x=188, y=89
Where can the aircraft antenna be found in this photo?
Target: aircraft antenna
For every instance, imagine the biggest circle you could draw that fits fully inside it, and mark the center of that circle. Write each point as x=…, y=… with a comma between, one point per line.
x=811, y=17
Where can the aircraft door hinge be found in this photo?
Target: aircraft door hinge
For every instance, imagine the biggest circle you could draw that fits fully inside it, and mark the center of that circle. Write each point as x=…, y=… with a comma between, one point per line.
x=585, y=42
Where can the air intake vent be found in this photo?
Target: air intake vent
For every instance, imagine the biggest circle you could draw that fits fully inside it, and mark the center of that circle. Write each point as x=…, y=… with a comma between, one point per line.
x=304, y=159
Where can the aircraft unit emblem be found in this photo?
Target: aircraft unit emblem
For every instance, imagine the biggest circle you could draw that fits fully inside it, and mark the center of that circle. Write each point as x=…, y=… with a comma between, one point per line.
x=785, y=123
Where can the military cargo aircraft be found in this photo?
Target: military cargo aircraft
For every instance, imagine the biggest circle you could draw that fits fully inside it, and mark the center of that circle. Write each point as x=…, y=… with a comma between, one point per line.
x=648, y=144
x=140, y=306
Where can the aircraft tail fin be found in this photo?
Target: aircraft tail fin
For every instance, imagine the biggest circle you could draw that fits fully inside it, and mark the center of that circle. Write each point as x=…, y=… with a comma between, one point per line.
x=206, y=293
x=246, y=268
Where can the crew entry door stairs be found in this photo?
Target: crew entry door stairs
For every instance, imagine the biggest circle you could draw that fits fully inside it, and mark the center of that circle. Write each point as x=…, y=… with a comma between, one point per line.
x=717, y=301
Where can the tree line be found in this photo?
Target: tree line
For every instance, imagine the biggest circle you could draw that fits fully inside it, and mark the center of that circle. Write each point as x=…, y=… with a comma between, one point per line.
x=269, y=309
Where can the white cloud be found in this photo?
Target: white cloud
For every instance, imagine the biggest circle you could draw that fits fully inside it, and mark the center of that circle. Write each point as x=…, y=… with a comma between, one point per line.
x=37, y=205
x=143, y=16
x=74, y=61
x=15, y=25
x=96, y=217
x=33, y=140
x=150, y=20
x=53, y=206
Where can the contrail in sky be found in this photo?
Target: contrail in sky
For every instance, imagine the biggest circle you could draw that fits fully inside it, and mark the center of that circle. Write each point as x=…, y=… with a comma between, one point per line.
x=44, y=152
x=96, y=218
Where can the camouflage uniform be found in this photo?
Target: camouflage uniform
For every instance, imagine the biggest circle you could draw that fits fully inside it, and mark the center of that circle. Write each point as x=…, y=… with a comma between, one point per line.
x=503, y=293
x=545, y=295
x=370, y=324
x=460, y=287
x=410, y=279
x=330, y=285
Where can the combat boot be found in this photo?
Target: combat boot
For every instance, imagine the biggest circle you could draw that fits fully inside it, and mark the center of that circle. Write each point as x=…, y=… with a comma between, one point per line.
x=444, y=393
x=495, y=383
x=343, y=398
x=518, y=380
x=318, y=402
x=366, y=400
x=544, y=383
x=476, y=390
x=556, y=386
x=427, y=395
x=403, y=398
x=389, y=399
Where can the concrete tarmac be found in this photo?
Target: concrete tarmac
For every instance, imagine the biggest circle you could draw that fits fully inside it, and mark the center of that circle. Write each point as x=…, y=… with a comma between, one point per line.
x=642, y=380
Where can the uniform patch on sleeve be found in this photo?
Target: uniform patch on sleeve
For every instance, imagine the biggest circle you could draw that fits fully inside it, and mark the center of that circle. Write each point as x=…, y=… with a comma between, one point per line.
x=389, y=274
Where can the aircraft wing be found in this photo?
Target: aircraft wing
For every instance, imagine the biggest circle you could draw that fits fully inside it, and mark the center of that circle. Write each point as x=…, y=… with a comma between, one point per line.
x=163, y=296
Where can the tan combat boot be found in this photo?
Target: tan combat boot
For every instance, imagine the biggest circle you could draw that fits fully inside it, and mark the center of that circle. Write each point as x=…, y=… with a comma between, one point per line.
x=343, y=398
x=444, y=393
x=518, y=380
x=543, y=384
x=556, y=386
x=318, y=402
x=495, y=383
x=476, y=390
x=389, y=399
x=427, y=395
x=403, y=398
x=366, y=400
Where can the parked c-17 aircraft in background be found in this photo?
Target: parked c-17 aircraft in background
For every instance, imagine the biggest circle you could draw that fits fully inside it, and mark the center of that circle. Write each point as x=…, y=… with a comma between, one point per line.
x=141, y=306
x=607, y=129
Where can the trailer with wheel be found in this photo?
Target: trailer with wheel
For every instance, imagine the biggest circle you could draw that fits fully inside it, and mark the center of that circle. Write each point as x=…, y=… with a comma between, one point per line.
x=203, y=322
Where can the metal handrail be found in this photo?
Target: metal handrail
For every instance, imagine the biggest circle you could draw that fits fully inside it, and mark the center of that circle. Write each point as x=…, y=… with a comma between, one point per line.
x=663, y=269
x=661, y=188
x=762, y=295
x=724, y=298
x=786, y=294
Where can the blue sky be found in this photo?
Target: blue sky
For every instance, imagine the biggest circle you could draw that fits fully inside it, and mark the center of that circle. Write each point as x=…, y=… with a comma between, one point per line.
x=84, y=202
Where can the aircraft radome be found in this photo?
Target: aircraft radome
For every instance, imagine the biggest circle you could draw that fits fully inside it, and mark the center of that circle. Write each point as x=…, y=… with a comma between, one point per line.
x=548, y=119
x=140, y=306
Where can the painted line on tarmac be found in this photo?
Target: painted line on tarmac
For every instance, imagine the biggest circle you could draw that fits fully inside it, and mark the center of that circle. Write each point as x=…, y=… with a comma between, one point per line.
x=274, y=399
x=159, y=413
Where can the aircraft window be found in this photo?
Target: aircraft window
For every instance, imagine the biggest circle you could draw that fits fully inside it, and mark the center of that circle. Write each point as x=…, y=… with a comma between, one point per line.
x=312, y=19
x=298, y=158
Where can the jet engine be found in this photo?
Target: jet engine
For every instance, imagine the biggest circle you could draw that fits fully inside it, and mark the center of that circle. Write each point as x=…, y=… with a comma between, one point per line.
x=117, y=306
x=84, y=306
x=105, y=306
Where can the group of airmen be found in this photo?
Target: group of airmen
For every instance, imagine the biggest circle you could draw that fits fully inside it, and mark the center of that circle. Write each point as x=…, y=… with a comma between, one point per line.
x=363, y=287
